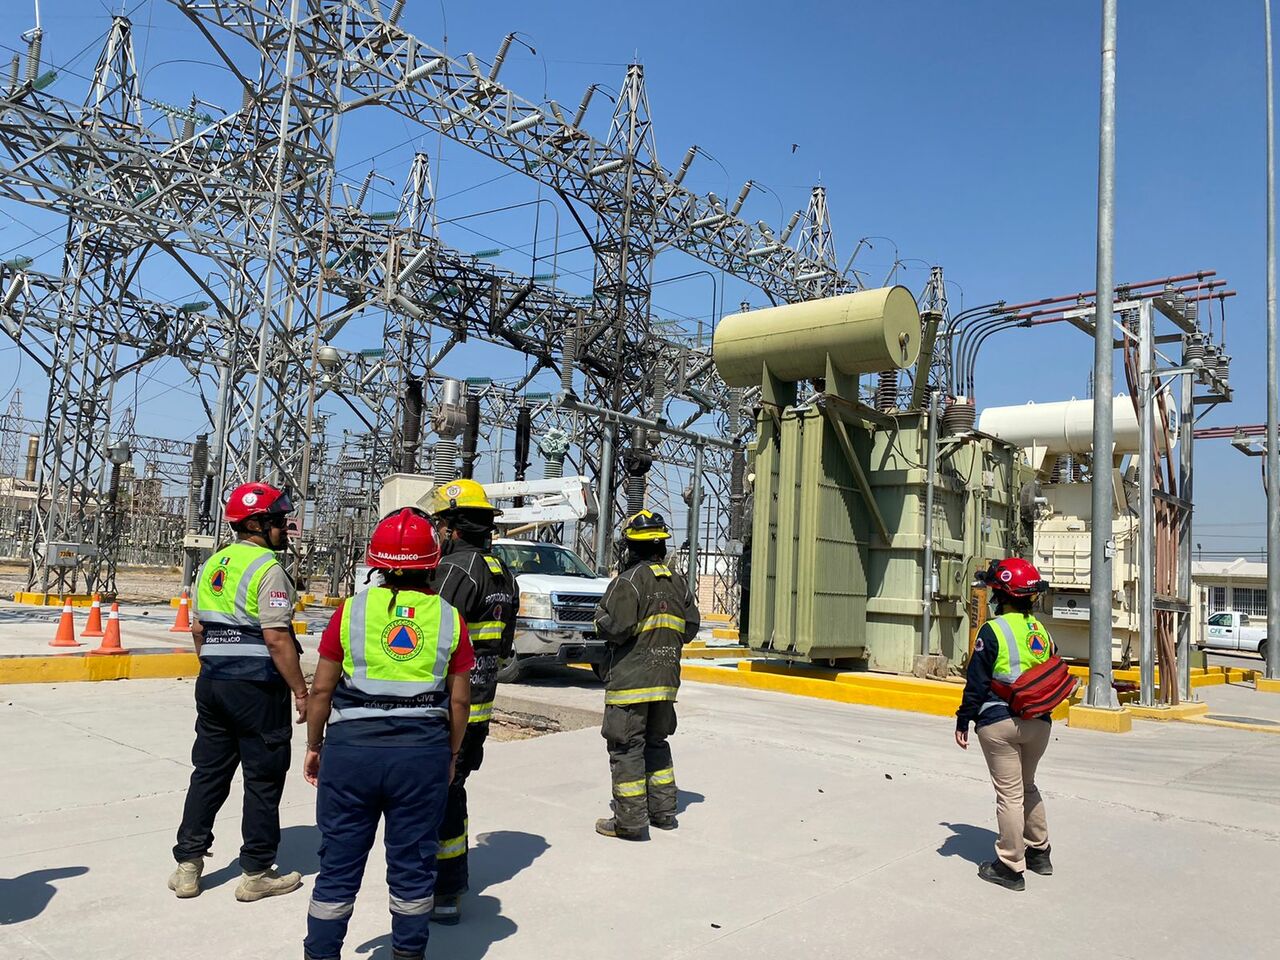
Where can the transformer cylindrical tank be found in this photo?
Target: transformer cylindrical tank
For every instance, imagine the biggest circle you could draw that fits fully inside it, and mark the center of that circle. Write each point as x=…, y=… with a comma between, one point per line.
x=1065, y=426
x=864, y=332
x=33, y=457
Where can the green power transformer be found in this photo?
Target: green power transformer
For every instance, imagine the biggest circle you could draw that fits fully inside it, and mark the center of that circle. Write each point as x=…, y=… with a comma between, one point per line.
x=839, y=526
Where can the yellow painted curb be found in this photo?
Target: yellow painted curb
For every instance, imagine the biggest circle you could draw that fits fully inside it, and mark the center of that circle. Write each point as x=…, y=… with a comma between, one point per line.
x=915, y=696
x=1263, y=685
x=1234, y=725
x=724, y=633
x=1101, y=719
x=144, y=666
x=717, y=618
x=332, y=601
x=1182, y=711
x=53, y=599
x=713, y=653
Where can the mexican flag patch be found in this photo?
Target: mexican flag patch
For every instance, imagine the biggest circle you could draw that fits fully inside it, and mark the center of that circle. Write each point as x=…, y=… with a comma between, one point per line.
x=406, y=612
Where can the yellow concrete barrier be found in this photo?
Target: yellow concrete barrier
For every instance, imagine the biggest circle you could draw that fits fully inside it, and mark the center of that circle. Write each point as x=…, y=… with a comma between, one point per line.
x=53, y=599
x=1101, y=719
x=300, y=627
x=1263, y=685
x=70, y=669
x=724, y=633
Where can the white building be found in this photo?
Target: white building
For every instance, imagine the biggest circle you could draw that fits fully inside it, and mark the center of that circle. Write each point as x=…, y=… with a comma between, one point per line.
x=1237, y=585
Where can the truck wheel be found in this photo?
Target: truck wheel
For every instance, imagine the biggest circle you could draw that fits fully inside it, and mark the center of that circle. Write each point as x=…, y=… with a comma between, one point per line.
x=511, y=670
x=1262, y=651
x=599, y=670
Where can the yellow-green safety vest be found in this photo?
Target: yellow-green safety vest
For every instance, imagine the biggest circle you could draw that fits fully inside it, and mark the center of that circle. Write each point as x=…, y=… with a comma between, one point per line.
x=1024, y=643
x=396, y=651
x=227, y=607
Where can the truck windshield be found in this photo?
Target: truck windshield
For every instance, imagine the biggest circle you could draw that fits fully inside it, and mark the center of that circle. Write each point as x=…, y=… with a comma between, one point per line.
x=543, y=558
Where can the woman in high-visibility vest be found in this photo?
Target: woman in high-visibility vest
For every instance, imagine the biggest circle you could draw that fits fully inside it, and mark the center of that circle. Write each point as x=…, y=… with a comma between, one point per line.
x=387, y=714
x=1009, y=644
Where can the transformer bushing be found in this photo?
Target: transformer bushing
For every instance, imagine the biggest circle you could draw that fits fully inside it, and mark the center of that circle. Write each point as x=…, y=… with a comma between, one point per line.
x=636, y=461
x=553, y=445
x=448, y=423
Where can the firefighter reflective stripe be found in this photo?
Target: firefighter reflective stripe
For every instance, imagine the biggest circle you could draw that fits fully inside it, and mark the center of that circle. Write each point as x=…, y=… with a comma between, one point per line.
x=660, y=569
x=330, y=911
x=485, y=631
x=239, y=649
x=454, y=846
x=481, y=712
x=661, y=621
x=410, y=908
x=638, y=695
x=494, y=565
x=629, y=788
x=662, y=778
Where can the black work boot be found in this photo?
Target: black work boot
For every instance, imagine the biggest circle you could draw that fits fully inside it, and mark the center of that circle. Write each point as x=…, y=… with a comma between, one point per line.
x=995, y=871
x=610, y=828
x=1038, y=861
x=663, y=823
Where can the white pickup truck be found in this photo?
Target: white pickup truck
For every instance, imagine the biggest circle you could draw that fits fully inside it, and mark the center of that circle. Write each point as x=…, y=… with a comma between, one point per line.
x=558, y=597
x=1233, y=631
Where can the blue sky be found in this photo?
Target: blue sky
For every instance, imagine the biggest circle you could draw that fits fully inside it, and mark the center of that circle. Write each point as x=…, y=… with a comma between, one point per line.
x=964, y=131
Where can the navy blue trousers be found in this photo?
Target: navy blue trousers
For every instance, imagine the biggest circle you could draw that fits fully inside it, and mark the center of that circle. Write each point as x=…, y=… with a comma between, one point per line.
x=358, y=786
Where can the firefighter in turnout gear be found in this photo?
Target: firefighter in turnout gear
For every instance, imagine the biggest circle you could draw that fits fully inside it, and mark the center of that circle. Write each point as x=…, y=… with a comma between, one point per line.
x=646, y=616
x=242, y=624
x=1008, y=645
x=388, y=712
x=483, y=589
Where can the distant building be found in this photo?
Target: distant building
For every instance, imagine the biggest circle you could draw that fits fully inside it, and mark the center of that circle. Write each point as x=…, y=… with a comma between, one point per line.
x=1237, y=585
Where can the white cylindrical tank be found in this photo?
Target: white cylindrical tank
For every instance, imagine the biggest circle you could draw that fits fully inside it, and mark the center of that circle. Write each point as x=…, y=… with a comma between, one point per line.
x=1066, y=426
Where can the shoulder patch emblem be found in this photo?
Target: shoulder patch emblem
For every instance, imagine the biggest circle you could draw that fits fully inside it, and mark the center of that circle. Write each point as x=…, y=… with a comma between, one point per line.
x=218, y=580
x=977, y=645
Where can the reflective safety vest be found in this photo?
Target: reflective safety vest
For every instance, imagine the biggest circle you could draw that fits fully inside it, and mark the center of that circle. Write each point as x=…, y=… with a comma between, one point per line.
x=1024, y=643
x=227, y=607
x=396, y=651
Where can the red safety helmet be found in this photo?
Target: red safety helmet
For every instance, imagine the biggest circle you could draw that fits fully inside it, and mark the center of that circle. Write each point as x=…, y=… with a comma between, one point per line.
x=254, y=499
x=1015, y=577
x=405, y=540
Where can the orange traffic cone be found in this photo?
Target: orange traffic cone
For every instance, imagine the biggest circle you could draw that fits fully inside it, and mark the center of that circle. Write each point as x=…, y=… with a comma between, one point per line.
x=183, y=622
x=94, y=627
x=66, y=635
x=111, y=642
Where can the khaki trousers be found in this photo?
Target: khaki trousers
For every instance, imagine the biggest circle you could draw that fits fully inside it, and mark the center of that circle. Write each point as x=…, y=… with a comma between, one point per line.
x=1012, y=749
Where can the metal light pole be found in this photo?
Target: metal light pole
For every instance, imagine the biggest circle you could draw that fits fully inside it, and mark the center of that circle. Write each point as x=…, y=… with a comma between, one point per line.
x=1147, y=509
x=1100, y=693
x=1273, y=402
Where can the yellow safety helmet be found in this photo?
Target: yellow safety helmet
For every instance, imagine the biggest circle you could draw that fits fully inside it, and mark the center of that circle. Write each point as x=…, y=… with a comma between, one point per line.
x=460, y=494
x=646, y=525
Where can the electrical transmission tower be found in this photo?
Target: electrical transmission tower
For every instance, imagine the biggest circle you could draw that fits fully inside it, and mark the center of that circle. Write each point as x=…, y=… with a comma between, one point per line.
x=250, y=209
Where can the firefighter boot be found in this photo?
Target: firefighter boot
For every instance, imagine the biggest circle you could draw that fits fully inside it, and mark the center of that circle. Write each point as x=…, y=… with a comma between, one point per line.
x=1038, y=861
x=185, y=881
x=610, y=828
x=663, y=823
x=995, y=871
x=447, y=910
x=266, y=883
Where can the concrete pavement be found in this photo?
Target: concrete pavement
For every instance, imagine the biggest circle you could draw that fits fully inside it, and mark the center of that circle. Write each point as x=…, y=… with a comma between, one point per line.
x=806, y=827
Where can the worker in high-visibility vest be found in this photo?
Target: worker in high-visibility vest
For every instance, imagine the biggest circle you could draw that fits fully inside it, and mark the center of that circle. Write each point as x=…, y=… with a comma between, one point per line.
x=646, y=615
x=478, y=583
x=388, y=711
x=242, y=625
x=1009, y=644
